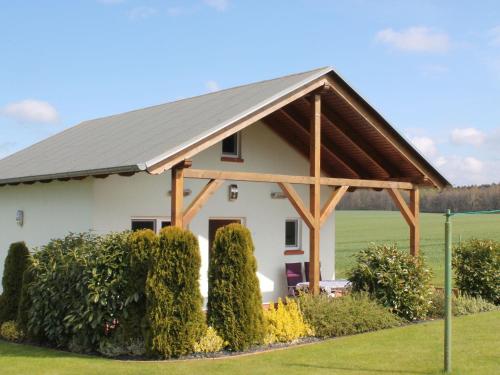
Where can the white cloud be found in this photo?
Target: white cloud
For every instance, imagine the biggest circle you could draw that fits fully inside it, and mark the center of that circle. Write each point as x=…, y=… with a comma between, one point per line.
x=212, y=86
x=141, y=13
x=468, y=170
x=470, y=136
x=425, y=145
x=219, y=5
x=31, y=110
x=494, y=36
x=415, y=39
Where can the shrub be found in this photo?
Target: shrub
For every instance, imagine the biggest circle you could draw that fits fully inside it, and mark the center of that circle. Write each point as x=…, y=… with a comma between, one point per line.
x=210, y=342
x=477, y=269
x=9, y=331
x=119, y=344
x=234, y=299
x=460, y=305
x=25, y=300
x=347, y=315
x=12, y=280
x=176, y=319
x=396, y=279
x=285, y=323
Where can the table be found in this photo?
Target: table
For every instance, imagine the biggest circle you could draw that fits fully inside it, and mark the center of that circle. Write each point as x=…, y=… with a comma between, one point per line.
x=331, y=287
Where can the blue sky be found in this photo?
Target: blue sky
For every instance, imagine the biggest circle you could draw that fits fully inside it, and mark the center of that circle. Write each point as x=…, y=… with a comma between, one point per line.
x=432, y=68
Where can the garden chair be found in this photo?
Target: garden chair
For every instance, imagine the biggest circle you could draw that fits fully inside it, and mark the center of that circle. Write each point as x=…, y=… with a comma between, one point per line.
x=293, y=277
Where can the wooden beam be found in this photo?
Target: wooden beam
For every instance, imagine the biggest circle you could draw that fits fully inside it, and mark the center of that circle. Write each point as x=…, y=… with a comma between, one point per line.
x=366, y=183
x=177, y=197
x=297, y=203
x=415, y=229
x=315, y=192
x=197, y=147
x=247, y=176
x=403, y=207
x=332, y=202
x=200, y=200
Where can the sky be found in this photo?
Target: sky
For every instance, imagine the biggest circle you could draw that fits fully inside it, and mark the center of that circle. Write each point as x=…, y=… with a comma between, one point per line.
x=431, y=68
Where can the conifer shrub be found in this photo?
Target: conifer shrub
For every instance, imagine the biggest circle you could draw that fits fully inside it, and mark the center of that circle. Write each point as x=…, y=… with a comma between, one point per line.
x=210, y=342
x=25, y=300
x=174, y=311
x=234, y=306
x=285, y=323
x=16, y=262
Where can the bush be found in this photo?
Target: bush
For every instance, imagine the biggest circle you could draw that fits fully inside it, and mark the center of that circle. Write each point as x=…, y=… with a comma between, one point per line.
x=285, y=323
x=461, y=305
x=348, y=315
x=210, y=342
x=78, y=293
x=12, y=280
x=9, y=331
x=396, y=279
x=120, y=345
x=176, y=319
x=25, y=300
x=234, y=299
x=477, y=269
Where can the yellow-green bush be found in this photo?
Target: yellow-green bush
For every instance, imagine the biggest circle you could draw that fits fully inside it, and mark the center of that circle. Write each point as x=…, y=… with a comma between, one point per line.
x=211, y=342
x=10, y=332
x=285, y=323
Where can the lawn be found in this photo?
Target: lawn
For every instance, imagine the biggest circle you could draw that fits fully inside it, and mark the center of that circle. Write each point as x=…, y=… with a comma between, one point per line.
x=415, y=349
x=356, y=229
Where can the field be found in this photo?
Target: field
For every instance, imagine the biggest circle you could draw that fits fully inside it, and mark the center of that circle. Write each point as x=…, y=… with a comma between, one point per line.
x=415, y=349
x=356, y=229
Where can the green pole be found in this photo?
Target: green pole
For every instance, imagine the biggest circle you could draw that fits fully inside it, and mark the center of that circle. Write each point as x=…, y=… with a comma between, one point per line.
x=447, y=294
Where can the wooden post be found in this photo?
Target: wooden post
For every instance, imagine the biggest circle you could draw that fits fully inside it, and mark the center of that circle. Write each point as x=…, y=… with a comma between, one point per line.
x=415, y=228
x=314, y=192
x=177, y=194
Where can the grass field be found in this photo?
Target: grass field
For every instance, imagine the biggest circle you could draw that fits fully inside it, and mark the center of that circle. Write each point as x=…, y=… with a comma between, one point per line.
x=415, y=349
x=356, y=229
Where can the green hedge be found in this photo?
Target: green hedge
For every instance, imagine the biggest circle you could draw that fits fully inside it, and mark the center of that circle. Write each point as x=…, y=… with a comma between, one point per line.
x=176, y=319
x=234, y=299
x=15, y=264
x=477, y=269
x=395, y=278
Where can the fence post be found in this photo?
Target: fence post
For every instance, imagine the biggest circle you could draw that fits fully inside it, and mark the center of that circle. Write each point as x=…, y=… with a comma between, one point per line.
x=447, y=294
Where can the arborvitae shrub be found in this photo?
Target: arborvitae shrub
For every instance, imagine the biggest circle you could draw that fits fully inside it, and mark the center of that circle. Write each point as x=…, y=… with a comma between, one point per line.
x=395, y=278
x=142, y=245
x=25, y=300
x=12, y=280
x=477, y=269
x=234, y=298
x=174, y=311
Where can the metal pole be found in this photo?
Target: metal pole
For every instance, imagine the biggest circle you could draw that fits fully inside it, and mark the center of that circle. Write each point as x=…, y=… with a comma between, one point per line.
x=447, y=294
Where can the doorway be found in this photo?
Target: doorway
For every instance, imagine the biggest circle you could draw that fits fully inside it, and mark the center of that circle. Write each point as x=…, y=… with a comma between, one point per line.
x=214, y=224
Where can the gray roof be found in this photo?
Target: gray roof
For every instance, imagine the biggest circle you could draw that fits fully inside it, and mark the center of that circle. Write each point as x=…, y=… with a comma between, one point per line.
x=135, y=140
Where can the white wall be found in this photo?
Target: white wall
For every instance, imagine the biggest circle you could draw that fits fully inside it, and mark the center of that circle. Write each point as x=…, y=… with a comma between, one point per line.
x=112, y=202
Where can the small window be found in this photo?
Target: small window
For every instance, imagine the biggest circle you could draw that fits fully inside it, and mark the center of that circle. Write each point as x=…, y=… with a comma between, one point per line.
x=144, y=224
x=231, y=146
x=166, y=224
x=292, y=233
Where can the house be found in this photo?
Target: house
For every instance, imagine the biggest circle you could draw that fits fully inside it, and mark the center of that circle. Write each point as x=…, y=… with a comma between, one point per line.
x=276, y=155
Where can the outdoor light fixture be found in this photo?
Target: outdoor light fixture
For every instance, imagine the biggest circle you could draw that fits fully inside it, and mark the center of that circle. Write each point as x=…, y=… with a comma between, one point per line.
x=233, y=192
x=20, y=217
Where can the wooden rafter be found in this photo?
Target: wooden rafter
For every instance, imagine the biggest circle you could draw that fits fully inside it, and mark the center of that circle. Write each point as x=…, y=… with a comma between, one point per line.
x=297, y=203
x=208, y=190
x=358, y=183
x=332, y=202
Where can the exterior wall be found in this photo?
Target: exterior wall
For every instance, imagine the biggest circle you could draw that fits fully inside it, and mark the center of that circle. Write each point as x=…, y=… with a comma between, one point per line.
x=112, y=202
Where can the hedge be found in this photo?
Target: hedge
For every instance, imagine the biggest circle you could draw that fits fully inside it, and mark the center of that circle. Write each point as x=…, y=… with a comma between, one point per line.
x=174, y=311
x=15, y=264
x=234, y=306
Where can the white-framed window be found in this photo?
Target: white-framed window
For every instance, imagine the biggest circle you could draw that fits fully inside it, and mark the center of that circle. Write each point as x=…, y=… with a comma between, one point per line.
x=231, y=146
x=149, y=222
x=293, y=234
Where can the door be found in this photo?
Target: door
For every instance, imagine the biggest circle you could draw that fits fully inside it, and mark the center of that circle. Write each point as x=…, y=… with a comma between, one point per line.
x=214, y=224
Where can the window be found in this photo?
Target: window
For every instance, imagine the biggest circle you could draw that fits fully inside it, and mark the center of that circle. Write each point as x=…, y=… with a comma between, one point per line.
x=231, y=146
x=292, y=234
x=153, y=223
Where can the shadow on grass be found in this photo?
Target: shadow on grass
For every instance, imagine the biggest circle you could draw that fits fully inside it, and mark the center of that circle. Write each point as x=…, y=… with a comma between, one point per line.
x=10, y=349
x=356, y=370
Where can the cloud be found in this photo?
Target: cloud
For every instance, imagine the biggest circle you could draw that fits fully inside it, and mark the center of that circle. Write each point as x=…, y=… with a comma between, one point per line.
x=470, y=136
x=219, y=5
x=494, y=36
x=425, y=145
x=141, y=13
x=31, y=110
x=468, y=170
x=415, y=39
x=212, y=86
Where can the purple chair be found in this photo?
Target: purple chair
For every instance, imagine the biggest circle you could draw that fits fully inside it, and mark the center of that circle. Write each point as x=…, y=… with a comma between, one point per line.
x=306, y=271
x=293, y=277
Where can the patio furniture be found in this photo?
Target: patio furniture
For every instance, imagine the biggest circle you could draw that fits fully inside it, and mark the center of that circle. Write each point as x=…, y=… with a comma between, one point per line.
x=293, y=277
x=333, y=288
x=306, y=271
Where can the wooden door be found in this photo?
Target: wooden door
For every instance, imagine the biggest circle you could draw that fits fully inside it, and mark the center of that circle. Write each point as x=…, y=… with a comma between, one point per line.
x=214, y=224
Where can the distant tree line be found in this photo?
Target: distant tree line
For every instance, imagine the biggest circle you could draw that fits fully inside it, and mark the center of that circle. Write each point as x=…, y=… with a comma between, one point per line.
x=463, y=198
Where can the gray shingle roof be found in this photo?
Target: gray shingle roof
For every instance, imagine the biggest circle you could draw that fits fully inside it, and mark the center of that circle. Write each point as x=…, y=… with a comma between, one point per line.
x=133, y=140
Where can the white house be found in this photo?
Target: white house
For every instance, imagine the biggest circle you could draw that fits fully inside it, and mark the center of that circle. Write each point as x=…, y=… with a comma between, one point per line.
x=258, y=154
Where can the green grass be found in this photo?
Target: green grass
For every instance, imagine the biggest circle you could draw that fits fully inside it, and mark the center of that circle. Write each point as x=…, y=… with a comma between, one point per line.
x=415, y=349
x=356, y=229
